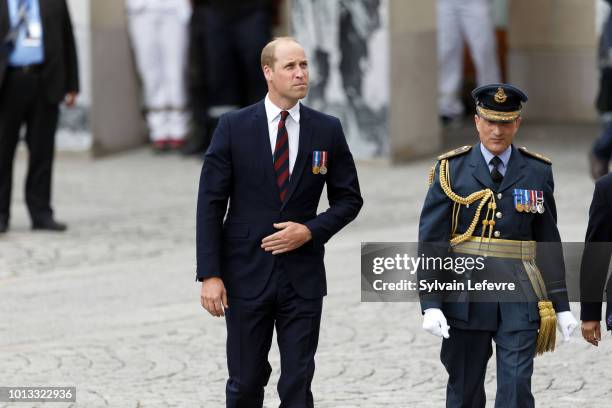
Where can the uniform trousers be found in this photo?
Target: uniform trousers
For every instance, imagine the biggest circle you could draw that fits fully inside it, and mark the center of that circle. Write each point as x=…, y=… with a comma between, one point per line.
x=160, y=41
x=459, y=20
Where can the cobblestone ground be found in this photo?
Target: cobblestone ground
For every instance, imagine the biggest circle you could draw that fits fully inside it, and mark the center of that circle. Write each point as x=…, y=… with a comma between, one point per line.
x=111, y=306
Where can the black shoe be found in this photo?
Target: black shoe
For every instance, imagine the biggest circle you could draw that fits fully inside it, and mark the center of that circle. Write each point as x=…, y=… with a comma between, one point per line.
x=49, y=224
x=3, y=226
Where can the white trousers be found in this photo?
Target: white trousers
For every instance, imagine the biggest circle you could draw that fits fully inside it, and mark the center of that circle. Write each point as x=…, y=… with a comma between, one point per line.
x=160, y=41
x=460, y=20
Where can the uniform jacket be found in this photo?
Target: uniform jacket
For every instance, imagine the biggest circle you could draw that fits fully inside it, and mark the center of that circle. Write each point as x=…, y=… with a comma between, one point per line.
x=469, y=173
x=238, y=167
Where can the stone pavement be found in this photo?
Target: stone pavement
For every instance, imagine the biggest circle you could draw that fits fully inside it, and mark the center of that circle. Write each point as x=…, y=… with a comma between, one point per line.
x=112, y=308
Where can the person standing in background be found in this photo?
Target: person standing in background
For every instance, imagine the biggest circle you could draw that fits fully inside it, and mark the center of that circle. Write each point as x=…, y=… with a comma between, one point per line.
x=159, y=34
x=468, y=20
x=601, y=152
x=38, y=69
x=236, y=32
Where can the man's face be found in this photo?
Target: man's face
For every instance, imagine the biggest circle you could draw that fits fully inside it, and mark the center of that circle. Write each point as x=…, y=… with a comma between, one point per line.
x=496, y=136
x=289, y=76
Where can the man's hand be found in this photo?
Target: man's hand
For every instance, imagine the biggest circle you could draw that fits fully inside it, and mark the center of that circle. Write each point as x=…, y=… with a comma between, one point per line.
x=566, y=323
x=291, y=236
x=213, y=296
x=70, y=99
x=435, y=323
x=591, y=331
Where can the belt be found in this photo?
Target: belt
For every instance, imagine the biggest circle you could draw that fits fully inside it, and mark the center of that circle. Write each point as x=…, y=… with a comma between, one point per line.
x=25, y=68
x=526, y=252
x=497, y=248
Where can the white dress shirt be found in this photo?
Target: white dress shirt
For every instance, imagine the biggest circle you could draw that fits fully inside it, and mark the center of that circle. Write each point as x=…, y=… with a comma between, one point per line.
x=293, y=128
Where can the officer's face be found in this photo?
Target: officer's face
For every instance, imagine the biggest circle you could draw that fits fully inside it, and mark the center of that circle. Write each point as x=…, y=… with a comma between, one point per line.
x=496, y=136
x=288, y=79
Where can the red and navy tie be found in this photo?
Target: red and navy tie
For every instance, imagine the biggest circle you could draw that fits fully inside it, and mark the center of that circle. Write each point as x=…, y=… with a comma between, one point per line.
x=281, y=157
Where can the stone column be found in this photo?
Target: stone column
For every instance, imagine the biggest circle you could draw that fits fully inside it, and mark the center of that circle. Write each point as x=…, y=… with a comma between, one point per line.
x=116, y=120
x=552, y=57
x=413, y=113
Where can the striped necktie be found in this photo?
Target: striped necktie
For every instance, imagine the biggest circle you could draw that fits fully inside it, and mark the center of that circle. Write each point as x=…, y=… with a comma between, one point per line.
x=281, y=157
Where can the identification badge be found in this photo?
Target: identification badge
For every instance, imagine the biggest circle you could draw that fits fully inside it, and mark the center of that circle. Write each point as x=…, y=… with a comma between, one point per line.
x=33, y=35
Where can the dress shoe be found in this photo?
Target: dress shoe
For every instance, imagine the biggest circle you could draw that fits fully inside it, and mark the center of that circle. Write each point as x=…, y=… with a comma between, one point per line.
x=3, y=226
x=598, y=167
x=49, y=224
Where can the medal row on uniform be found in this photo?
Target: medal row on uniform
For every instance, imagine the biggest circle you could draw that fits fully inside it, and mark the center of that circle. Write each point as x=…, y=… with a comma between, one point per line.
x=529, y=200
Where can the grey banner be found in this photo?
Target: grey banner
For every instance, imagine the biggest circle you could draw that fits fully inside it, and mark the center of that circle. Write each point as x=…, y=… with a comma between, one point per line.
x=408, y=271
x=37, y=394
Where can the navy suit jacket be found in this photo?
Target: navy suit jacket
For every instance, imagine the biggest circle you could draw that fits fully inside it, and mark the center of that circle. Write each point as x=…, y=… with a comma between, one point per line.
x=238, y=167
x=596, y=256
x=469, y=173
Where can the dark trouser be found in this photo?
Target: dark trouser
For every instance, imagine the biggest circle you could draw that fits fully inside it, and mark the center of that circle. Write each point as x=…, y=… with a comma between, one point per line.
x=250, y=324
x=602, y=148
x=22, y=101
x=465, y=355
x=233, y=55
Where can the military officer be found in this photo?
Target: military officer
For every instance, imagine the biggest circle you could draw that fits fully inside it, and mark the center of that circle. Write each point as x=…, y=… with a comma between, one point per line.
x=495, y=201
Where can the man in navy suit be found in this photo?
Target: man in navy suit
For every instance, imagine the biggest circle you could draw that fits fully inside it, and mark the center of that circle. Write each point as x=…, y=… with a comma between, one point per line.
x=263, y=265
x=596, y=261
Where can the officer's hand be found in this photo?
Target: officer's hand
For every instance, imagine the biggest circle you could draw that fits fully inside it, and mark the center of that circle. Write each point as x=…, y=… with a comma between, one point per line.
x=291, y=236
x=566, y=323
x=591, y=331
x=213, y=296
x=434, y=323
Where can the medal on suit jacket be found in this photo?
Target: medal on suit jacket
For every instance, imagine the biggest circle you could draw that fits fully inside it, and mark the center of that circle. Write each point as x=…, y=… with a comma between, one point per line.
x=323, y=169
x=526, y=203
x=540, y=202
x=316, y=162
x=518, y=199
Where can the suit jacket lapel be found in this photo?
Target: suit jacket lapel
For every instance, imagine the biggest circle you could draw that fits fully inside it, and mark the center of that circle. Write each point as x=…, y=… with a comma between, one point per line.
x=514, y=172
x=262, y=134
x=305, y=144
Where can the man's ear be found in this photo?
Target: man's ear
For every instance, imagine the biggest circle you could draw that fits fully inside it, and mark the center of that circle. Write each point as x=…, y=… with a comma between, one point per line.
x=267, y=72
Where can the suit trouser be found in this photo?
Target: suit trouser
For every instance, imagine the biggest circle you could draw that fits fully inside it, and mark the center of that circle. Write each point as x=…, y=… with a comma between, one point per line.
x=469, y=19
x=465, y=355
x=250, y=325
x=22, y=101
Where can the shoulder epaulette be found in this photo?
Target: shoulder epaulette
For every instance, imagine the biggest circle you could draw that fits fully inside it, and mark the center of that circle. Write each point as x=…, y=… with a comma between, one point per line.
x=535, y=155
x=454, y=153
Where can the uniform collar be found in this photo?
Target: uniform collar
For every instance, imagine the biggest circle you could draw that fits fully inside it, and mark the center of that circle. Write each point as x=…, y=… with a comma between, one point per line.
x=505, y=156
x=273, y=111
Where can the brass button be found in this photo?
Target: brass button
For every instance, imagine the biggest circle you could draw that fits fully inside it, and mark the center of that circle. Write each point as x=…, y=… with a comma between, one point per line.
x=498, y=215
x=496, y=234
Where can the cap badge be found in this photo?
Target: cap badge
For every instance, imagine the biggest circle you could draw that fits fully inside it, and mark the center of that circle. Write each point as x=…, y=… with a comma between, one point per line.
x=500, y=96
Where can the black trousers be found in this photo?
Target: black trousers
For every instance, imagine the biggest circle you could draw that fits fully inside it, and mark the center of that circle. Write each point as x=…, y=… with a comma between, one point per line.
x=22, y=102
x=250, y=325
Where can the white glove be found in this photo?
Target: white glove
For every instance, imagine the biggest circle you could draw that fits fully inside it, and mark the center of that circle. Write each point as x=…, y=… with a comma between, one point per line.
x=434, y=323
x=566, y=323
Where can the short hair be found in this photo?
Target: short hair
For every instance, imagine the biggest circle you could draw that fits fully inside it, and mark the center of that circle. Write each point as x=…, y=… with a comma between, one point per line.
x=268, y=54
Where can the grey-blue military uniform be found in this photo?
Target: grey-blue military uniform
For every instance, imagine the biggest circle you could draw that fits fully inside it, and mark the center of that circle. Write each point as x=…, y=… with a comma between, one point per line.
x=513, y=325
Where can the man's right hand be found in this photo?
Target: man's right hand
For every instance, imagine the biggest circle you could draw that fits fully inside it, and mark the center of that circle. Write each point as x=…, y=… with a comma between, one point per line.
x=213, y=296
x=591, y=331
x=435, y=323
